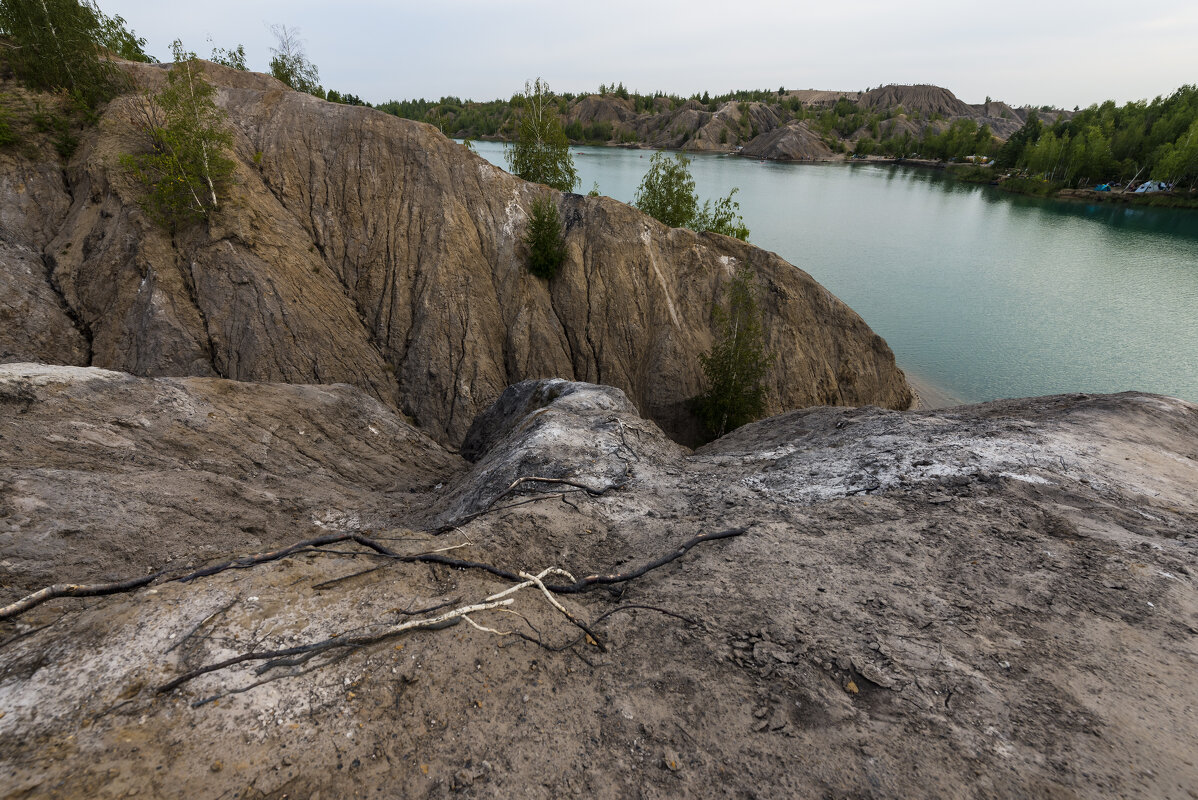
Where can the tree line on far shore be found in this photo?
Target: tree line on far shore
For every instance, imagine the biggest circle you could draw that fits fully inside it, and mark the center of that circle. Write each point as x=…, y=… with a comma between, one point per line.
x=1111, y=143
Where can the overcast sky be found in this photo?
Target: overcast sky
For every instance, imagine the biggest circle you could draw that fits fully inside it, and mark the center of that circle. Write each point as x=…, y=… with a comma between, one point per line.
x=1021, y=51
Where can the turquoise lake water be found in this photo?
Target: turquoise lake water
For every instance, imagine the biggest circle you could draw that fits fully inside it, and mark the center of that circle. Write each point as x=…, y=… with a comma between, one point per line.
x=979, y=292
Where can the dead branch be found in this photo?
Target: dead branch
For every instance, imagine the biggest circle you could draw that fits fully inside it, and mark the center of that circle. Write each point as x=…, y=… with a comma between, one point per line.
x=334, y=581
x=99, y=589
x=592, y=581
x=516, y=484
x=335, y=643
x=262, y=558
x=73, y=590
x=593, y=492
x=629, y=607
x=592, y=637
x=202, y=623
x=301, y=654
x=241, y=689
x=643, y=607
x=588, y=582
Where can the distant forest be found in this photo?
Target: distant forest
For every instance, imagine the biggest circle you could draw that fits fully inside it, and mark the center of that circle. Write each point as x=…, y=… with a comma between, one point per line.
x=1113, y=143
x=1103, y=143
x=872, y=132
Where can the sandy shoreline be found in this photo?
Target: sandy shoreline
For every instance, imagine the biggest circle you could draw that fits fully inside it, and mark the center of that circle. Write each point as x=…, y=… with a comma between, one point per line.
x=928, y=395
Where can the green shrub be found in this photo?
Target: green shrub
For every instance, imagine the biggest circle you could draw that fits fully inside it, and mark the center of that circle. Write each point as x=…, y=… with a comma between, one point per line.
x=1032, y=186
x=599, y=132
x=56, y=44
x=667, y=192
x=724, y=217
x=541, y=152
x=546, y=245
x=65, y=141
x=7, y=134
x=737, y=363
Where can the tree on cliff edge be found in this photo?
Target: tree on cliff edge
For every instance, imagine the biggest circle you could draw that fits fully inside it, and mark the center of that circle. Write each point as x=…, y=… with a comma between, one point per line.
x=541, y=152
x=289, y=63
x=57, y=44
x=188, y=167
x=667, y=193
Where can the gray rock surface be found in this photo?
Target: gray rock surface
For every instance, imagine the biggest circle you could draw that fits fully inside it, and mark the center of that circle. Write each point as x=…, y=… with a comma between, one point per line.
x=35, y=323
x=102, y=473
x=985, y=601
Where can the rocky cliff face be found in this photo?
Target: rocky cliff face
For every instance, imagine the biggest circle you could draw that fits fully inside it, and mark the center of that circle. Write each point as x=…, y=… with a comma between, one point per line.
x=791, y=142
x=987, y=601
x=364, y=249
x=35, y=323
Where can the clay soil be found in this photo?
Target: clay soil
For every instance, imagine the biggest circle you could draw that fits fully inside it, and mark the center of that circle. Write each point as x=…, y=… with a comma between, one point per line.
x=988, y=601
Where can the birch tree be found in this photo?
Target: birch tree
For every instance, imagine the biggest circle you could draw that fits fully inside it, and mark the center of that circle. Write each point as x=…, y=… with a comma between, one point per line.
x=187, y=169
x=541, y=152
x=56, y=44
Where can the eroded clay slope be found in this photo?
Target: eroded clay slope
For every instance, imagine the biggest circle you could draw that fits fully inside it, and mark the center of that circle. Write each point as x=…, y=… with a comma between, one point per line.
x=365, y=249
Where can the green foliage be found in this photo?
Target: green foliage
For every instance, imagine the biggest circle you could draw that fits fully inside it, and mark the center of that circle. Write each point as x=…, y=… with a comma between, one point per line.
x=65, y=141
x=234, y=59
x=598, y=132
x=120, y=40
x=541, y=152
x=971, y=173
x=1102, y=143
x=1012, y=150
x=594, y=192
x=187, y=169
x=736, y=365
x=1178, y=161
x=667, y=192
x=961, y=138
x=722, y=217
x=289, y=63
x=347, y=99
x=546, y=245
x=1111, y=143
x=1040, y=187
x=56, y=44
x=7, y=134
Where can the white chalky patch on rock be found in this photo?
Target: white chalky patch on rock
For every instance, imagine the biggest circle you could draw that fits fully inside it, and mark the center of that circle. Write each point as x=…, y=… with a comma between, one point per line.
x=338, y=520
x=45, y=374
x=514, y=214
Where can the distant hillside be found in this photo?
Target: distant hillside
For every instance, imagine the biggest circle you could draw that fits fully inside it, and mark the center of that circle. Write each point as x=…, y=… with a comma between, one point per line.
x=785, y=125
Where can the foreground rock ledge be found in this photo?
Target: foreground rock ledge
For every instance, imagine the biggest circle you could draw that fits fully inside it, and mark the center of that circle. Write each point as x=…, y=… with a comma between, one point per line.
x=995, y=600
